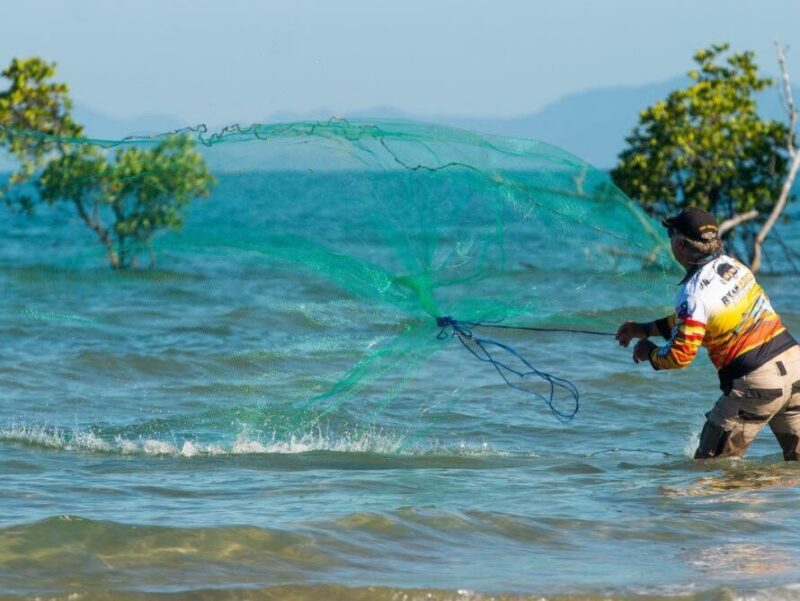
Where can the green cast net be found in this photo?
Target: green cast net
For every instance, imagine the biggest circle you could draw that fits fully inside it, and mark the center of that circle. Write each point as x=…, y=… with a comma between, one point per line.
x=338, y=266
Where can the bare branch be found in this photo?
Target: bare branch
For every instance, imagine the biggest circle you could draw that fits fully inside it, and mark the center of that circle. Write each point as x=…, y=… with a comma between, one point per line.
x=788, y=99
x=732, y=222
x=793, y=168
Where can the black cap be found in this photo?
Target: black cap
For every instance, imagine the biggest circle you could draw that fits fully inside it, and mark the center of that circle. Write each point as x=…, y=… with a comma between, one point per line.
x=693, y=223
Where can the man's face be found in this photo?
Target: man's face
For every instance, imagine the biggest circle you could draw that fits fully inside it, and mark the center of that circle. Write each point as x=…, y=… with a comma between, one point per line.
x=677, y=249
x=673, y=239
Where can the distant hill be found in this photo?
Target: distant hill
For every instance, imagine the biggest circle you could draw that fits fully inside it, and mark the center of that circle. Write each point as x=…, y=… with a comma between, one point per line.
x=591, y=124
x=100, y=125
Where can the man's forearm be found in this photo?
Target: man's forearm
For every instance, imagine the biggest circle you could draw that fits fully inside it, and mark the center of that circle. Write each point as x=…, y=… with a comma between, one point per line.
x=662, y=327
x=649, y=328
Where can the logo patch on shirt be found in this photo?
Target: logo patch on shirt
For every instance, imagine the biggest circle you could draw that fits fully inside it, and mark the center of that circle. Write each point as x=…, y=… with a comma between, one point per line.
x=726, y=271
x=683, y=310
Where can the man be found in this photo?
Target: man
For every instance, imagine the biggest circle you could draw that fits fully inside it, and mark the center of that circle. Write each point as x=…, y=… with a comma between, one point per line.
x=721, y=307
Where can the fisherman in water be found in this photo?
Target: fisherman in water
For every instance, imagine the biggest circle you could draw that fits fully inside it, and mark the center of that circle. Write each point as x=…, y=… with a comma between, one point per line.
x=721, y=307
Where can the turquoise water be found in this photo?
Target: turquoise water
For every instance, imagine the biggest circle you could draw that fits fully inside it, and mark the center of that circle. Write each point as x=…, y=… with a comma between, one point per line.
x=156, y=439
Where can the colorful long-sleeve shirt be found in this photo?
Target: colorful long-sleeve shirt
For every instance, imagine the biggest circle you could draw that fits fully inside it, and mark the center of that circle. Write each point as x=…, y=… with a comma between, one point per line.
x=721, y=306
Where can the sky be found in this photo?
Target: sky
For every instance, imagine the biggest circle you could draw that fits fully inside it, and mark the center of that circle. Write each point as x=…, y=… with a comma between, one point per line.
x=245, y=60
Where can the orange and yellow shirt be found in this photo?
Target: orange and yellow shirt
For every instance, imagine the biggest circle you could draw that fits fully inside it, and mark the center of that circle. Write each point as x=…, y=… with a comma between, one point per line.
x=721, y=306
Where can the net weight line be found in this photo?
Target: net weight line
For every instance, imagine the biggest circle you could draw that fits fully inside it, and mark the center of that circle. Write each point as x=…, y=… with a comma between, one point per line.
x=480, y=349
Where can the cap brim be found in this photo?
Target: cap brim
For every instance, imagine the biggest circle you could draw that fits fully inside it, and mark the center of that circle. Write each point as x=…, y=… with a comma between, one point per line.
x=668, y=222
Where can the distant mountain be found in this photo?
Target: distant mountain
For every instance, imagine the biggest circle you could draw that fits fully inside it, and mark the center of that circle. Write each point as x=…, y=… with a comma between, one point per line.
x=591, y=124
x=100, y=125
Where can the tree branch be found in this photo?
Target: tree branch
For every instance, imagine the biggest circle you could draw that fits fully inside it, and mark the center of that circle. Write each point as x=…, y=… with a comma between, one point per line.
x=101, y=232
x=732, y=222
x=788, y=99
x=793, y=168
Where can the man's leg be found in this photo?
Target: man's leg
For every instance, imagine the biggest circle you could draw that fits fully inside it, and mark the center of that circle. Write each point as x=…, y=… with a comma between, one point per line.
x=731, y=438
x=786, y=428
x=786, y=423
x=736, y=419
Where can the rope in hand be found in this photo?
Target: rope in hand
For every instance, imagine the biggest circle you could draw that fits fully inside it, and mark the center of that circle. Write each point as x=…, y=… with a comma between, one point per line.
x=480, y=348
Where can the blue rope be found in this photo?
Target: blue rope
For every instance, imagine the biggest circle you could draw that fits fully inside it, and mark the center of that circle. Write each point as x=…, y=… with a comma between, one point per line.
x=463, y=331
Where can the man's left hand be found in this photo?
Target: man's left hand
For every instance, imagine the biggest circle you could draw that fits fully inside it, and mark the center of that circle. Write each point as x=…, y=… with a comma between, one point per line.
x=641, y=352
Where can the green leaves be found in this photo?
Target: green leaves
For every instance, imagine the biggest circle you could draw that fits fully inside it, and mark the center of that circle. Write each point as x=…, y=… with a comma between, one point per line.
x=705, y=145
x=32, y=103
x=139, y=193
x=149, y=188
x=125, y=201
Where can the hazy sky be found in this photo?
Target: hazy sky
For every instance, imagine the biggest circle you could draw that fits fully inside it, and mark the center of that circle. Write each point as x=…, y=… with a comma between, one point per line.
x=242, y=60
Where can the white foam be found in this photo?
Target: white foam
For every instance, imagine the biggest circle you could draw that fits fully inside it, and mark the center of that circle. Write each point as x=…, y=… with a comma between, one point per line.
x=692, y=442
x=158, y=447
x=89, y=440
x=126, y=446
x=370, y=442
x=245, y=443
x=789, y=592
x=55, y=438
x=786, y=592
x=243, y=446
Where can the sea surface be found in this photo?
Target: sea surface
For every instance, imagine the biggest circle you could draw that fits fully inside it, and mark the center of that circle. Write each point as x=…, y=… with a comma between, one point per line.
x=155, y=442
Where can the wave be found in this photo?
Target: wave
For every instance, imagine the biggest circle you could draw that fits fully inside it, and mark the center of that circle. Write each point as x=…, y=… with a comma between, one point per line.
x=89, y=441
x=71, y=557
x=336, y=592
x=374, y=442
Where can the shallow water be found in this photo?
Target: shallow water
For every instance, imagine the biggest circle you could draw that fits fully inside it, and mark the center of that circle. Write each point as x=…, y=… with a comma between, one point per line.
x=152, y=445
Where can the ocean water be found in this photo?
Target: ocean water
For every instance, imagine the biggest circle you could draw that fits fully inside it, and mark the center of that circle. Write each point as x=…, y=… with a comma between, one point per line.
x=156, y=441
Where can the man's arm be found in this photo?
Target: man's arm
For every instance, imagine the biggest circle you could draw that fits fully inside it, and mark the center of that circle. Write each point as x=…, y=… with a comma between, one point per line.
x=682, y=346
x=663, y=326
x=632, y=329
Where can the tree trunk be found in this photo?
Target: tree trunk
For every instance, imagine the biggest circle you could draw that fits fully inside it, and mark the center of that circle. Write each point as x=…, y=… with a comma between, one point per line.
x=152, y=255
x=794, y=155
x=101, y=232
x=124, y=258
x=776, y=212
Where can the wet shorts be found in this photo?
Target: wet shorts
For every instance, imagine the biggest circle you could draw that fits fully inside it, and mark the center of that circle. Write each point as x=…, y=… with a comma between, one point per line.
x=767, y=395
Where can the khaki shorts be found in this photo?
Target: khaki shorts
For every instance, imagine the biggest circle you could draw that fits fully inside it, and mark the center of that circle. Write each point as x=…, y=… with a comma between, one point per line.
x=767, y=395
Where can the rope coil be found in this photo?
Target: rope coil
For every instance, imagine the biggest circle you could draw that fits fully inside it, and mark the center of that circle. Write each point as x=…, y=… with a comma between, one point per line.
x=483, y=349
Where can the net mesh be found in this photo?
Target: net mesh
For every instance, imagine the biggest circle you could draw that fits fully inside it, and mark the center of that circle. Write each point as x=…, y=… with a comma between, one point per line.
x=332, y=260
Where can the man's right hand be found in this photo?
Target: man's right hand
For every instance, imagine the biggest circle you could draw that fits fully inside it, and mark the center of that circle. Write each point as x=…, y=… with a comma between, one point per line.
x=630, y=330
